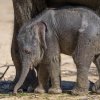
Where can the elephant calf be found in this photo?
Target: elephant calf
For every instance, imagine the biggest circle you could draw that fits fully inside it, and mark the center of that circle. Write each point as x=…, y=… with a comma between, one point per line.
x=72, y=31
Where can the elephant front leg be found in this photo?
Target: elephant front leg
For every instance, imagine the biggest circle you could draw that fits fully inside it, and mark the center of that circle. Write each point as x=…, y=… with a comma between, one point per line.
x=54, y=72
x=96, y=87
x=43, y=76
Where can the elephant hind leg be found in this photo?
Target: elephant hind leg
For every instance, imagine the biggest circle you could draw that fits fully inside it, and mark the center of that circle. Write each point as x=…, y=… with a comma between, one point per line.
x=82, y=65
x=96, y=87
x=83, y=57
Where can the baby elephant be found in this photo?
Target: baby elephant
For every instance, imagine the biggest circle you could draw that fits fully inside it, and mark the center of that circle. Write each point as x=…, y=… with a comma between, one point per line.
x=72, y=31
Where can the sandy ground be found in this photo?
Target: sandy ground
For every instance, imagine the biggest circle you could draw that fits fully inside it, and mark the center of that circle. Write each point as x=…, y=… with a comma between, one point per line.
x=68, y=69
x=6, y=31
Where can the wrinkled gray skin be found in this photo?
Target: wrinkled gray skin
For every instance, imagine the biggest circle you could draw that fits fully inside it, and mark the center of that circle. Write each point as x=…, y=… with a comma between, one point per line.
x=74, y=32
x=27, y=9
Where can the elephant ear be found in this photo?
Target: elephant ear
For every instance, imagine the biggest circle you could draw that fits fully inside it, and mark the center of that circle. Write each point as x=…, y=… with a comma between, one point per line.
x=40, y=30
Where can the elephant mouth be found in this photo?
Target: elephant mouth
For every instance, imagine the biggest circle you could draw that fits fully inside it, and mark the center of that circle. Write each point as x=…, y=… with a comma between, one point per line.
x=35, y=63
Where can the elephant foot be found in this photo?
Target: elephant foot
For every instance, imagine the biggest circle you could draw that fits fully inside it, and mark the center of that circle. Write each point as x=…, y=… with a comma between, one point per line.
x=79, y=91
x=55, y=91
x=39, y=90
x=96, y=87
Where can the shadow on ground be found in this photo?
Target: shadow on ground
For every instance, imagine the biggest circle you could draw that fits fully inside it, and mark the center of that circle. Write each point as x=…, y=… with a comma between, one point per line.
x=66, y=86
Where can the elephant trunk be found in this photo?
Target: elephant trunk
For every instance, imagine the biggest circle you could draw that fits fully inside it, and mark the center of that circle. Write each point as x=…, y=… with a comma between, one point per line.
x=25, y=70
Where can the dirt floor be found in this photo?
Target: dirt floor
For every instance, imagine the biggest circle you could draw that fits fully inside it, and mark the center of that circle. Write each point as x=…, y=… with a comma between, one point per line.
x=68, y=69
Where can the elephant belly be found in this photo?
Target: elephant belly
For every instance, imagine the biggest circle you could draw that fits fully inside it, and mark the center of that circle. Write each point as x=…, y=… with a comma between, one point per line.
x=68, y=44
